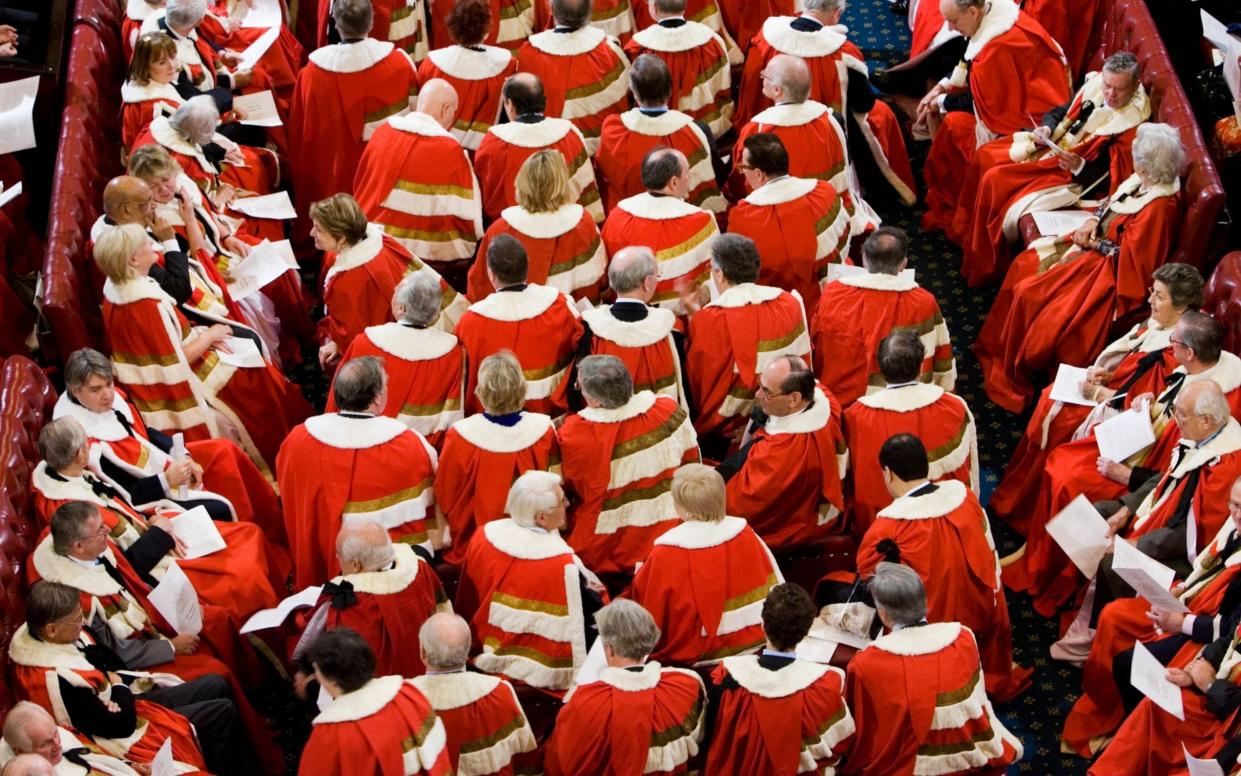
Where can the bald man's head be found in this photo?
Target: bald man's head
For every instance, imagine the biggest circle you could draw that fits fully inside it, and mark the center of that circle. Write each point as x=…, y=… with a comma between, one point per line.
x=444, y=641
x=28, y=765
x=787, y=79
x=363, y=545
x=438, y=99
x=666, y=171
x=630, y=270
x=127, y=200
x=523, y=95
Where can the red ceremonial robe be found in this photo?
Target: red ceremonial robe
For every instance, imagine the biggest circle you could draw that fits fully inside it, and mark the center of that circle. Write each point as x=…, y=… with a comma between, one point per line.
x=478, y=456
x=540, y=326
x=731, y=341
x=415, y=179
x=143, y=103
x=699, y=61
x=618, y=465
x=920, y=706
x=941, y=420
x=486, y=727
x=563, y=247
x=790, y=487
x=385, y=727
x=478, y=77
x=753, y=731
x=627, y=138
x=343, y=94
x=1070, y=24
x=646, y=347
x=704, y=12
x=943, y=535
x=506, y=148
x=679, y=233
x=400, y=22
x=1013, y=70
x=96, y=762
x=136, y=12
x=426, y=376
x=1054, y=286
x=336, y=468
x=856, y=313
x=799, y=225
x=648, y=721
x=521, y=590
x=811, y=135
x=728, y=572
x=584, y=74
x=259, y=175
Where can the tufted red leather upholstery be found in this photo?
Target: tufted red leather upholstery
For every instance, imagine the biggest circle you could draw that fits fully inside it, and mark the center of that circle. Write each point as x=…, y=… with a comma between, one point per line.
x=1223, y=299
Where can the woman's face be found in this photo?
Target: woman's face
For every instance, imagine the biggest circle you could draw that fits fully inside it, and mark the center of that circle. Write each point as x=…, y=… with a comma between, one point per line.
x=164, y=70
x=324, y=241
x=144, y=259
x=1162, y=309
x=163, y=188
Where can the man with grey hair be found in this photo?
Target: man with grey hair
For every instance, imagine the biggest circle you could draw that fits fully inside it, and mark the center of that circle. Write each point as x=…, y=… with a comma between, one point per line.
x=618, y=486
x=29, y=765
x=1091, y=133
x=635, y=712
x=645, y=337
x=34, y=745
x=408, y=31
x=385, y=592
x=354, y=464
x=343, y=94
x=527, y=596
x=487, y=729
x=425, y=364
x=911, y=666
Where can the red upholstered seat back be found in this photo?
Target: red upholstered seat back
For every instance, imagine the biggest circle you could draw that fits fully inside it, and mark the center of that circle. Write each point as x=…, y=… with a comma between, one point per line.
x=1223, y=299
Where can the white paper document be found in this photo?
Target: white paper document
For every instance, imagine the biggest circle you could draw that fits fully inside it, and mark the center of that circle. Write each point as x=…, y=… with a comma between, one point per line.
x=274, y=618
x=255, y=51
x=838, y=271
x=1150, y=578
x=259, y=109
x=1082, y=533
x=263, y=13
x=1053, y=223
x=17, y=114
x=276, y=206
x=816, y=650
x=9, y=194
x=1067, y=388
x=163, y=764
x=177, y=601
x=265, y=263
x=1148, y=676
x=1229, y=48
x=1122, y=435
x=198, y=532
x=592, y=665
x=1199, y=766
x=820, y=629
x=243, y=353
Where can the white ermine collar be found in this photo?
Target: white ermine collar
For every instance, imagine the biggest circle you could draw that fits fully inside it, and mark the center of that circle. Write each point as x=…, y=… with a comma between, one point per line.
x=791, y=114
x=410, y=344
x=784, y=190
x=347, y=433
x=653, y=208
x=359, y=253
x=907, y=398
x=699, y=534
x=26, y=650
x=544, y=226
x=947, y=496
x=807, y=421
x=568, y=44
x=1138, y=198
x=494, y=438
x=655, y=327
x=877, y=281
x=632, y=681
x=638, y=404
x=352, y=57
x=453, y=691
x=104, y=426
x=792, y=678
x=513, y=540
x=470, y=65
x=920, y=640
x=417, y=123
x=537, y=135
x=778, y=31
x=671, y=39
x=997, y=21
x=132, y=92
x=655, y=126
x=366, y=701
x=92, y=580
x=393, y=580
x=530, y=302
x=745, y=294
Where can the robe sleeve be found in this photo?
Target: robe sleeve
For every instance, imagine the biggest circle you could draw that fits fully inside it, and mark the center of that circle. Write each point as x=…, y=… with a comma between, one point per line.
x=1146, y=242
x=90, y=715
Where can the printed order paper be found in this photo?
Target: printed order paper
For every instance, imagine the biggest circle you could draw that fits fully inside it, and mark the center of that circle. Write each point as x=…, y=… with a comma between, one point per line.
x=177, y=601
x=1147, y=576
x=1199, y=766
x=1053, y=223
x=275, y=617
x=276, y=206
x=198, y=532
x=1067, y=388
x=820, y=629
x=1082, y=533
x=259, y=109
x=244, y=353
x=264, y=264
x=1124, y=434
x=255, y=51
x=816, y=650
x=163, y=764
x=1148, y=676
x=263, y=13
x=17, y=114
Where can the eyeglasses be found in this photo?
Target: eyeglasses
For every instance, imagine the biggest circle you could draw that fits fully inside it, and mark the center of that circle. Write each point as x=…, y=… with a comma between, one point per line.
x=769, y=393
x=743, y=167
x=1176, y=341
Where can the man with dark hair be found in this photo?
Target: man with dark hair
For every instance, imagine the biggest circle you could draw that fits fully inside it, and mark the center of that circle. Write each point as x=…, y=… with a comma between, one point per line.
x=627, y=137
x=506, y=147
x=539, y=324
x=351, y=464
x=735, y=337
x=581, y=67
x=787, y=479
x=940, y=530
x=408, y=31
x=941, y=420
x=756, y=696
x=373, y=724
x=698, y=53
x=678, y=231
x=857, y=311
x=800, y=225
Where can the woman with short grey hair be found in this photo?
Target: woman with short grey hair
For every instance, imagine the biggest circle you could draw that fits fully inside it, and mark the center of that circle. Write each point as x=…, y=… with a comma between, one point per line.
x=1063, y=293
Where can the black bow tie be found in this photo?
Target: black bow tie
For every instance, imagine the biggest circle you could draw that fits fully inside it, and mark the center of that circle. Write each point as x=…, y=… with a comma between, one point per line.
x=342, y=594
x=78, y=757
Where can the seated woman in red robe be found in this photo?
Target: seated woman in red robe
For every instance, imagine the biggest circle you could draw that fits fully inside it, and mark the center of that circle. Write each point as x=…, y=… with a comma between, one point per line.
x=560, y=236
x=1137, y=363
x=1062, y=294
x=206, y=380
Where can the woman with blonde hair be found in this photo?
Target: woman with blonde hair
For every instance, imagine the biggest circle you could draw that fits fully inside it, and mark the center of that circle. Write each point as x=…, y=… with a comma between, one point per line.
x=495, y=446
x=207, y=377
x=560, y=236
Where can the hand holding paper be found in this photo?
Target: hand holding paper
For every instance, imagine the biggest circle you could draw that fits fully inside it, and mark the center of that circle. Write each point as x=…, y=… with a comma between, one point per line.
x=274, y=618
x=198, y=532
x=1068, y=386
x=177, y=601
x=1147, y=576
x=1121, y=436
x=1082, y=533
x=1147, y=676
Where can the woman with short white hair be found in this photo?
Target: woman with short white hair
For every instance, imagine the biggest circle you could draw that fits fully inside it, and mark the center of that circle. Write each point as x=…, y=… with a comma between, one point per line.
x=1062, y=294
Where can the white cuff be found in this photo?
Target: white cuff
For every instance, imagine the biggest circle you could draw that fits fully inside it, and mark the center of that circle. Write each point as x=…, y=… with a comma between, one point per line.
x=163, y=482
x=939, y=102
x=171, y=244
x=1081, y=164
x=1187, y=625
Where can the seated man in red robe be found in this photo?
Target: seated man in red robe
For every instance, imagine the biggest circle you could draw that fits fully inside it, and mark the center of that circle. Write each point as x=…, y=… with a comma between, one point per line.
x=917, y=693
x=374, y=724
x=354, y=464
x=787, y=479
x=537, y=323
x=385, y=592
x=627, y=138
x=704, y=577
x=773, y=712
x=486, y=727
x=618, y=456
x=800, y=225
x=416, y=180
x=1012, y=69
x=942, y=421
x=582, y=69
x=32, y=738
x=530, y=601
x=662, y=219
x=857, y=311
x=635, y=713
x=506, y=147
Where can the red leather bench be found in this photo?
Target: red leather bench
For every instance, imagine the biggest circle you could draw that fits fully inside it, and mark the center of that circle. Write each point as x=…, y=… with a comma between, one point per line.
x=1223, y=299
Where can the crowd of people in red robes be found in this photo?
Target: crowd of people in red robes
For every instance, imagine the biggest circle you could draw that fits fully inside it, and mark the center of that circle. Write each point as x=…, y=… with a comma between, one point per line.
x=619, y=352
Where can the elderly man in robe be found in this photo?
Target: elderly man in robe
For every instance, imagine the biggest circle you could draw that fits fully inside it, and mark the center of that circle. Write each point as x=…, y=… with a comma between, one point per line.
x=34, y=745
